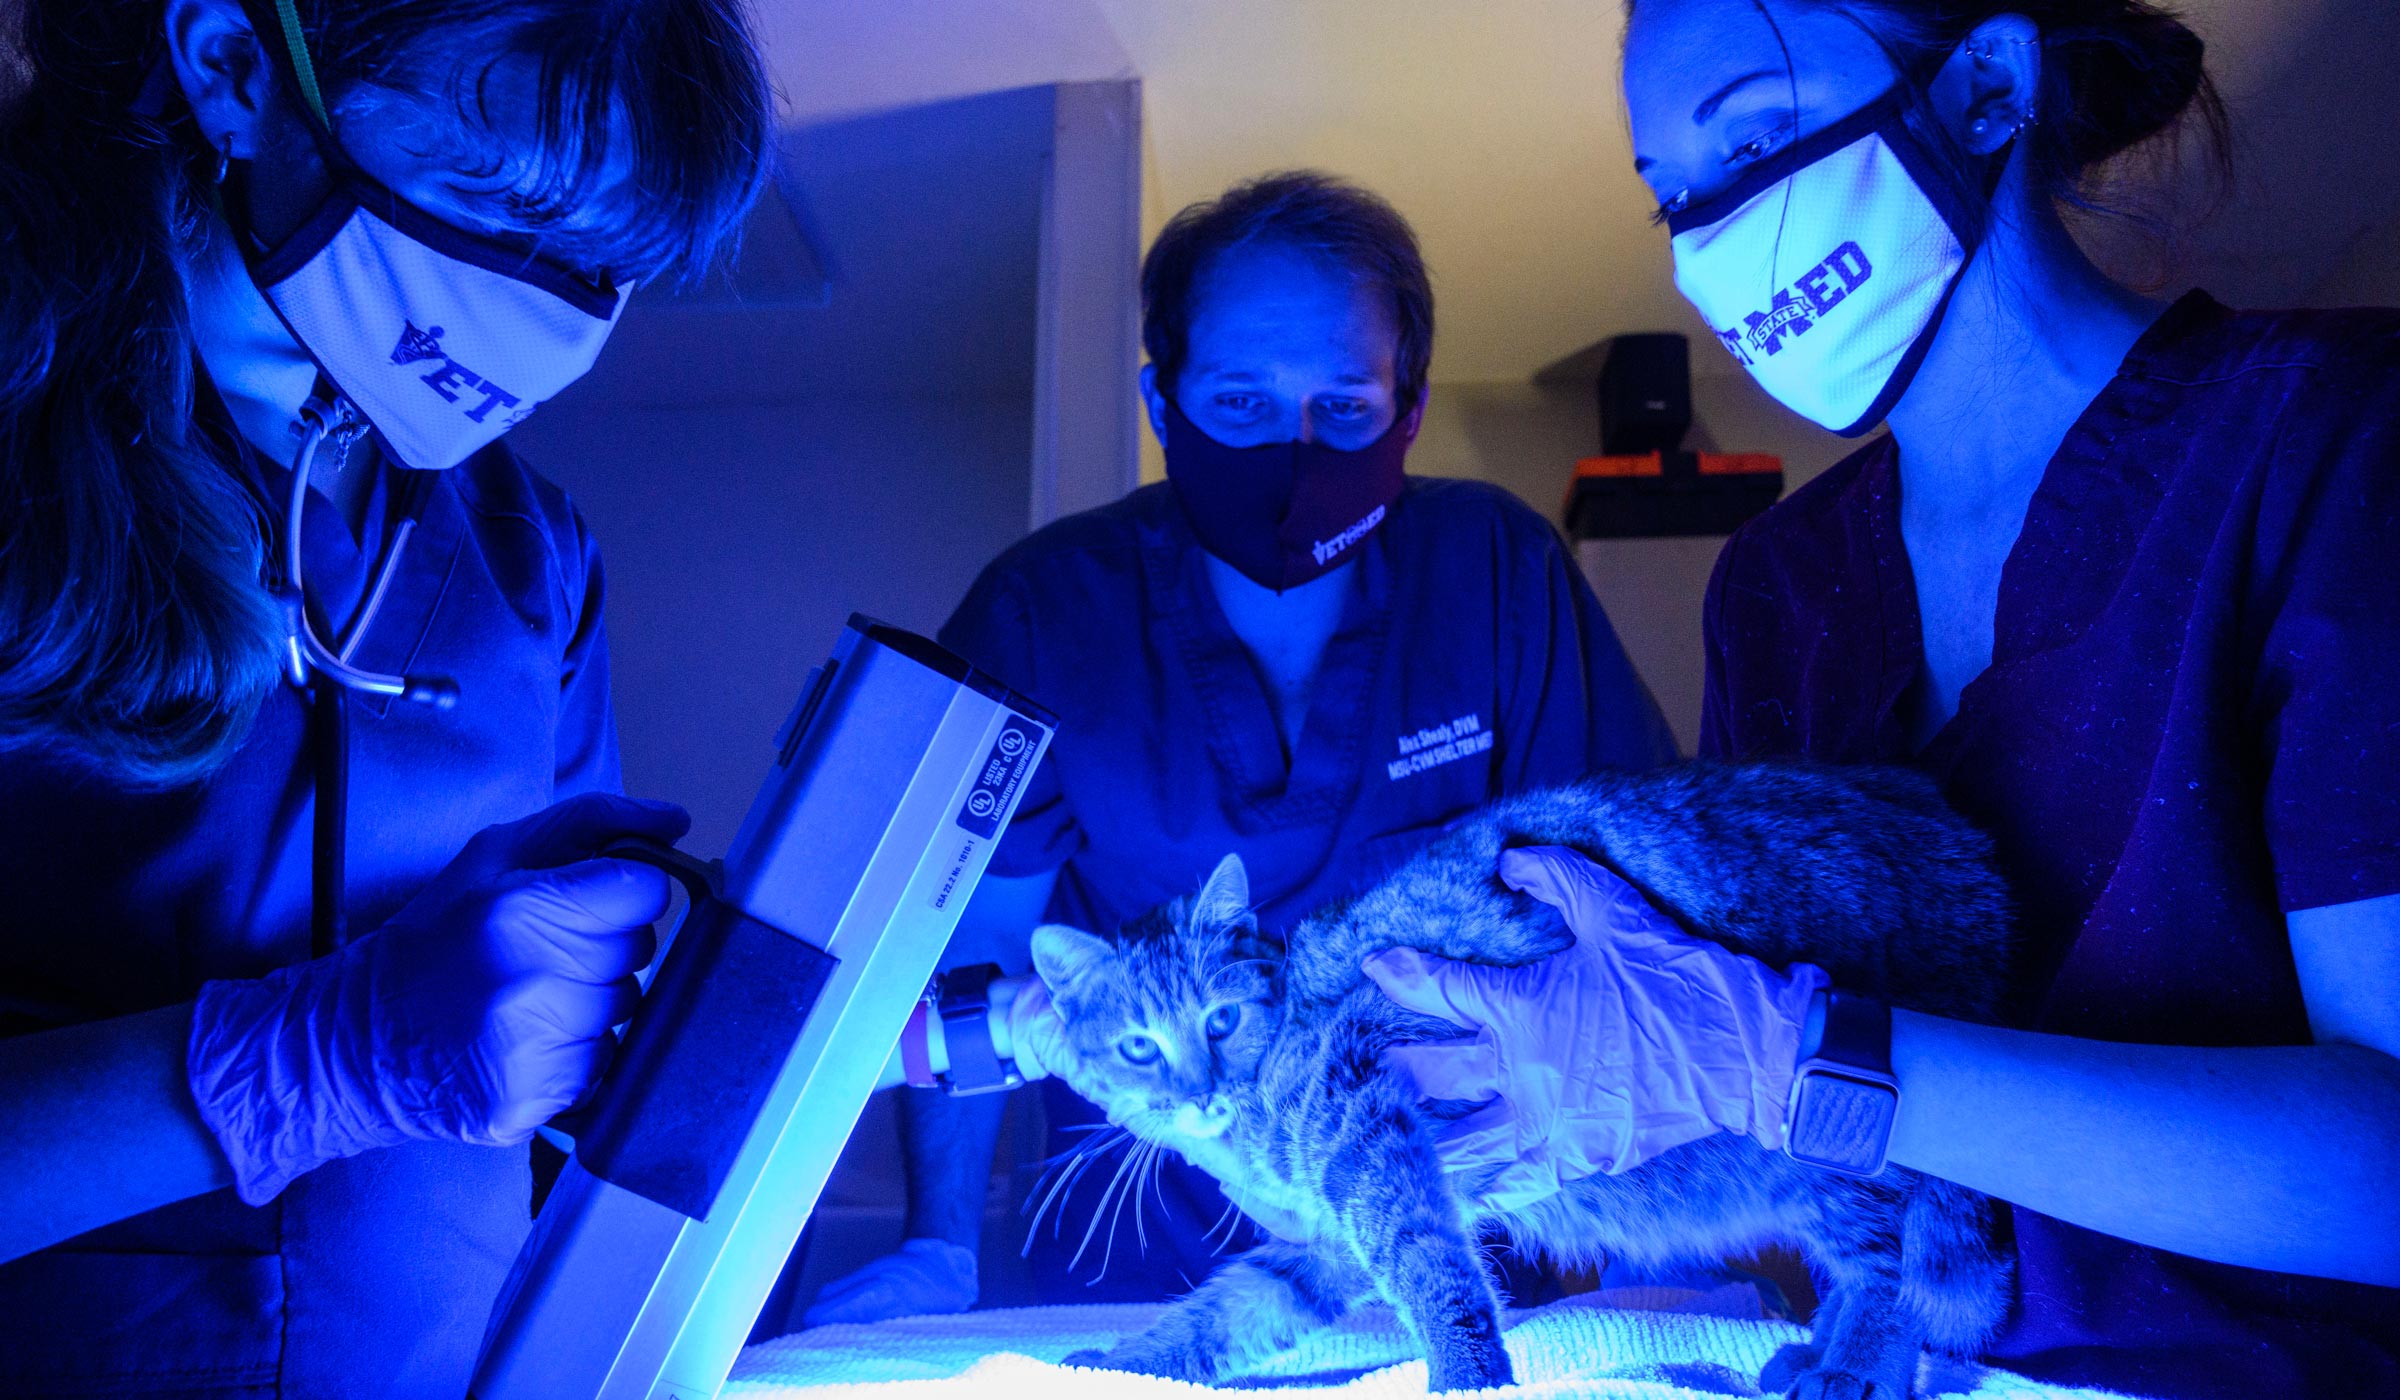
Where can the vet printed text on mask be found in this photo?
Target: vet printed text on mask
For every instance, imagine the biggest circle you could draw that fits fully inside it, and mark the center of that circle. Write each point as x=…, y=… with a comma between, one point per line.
x=1824, y=271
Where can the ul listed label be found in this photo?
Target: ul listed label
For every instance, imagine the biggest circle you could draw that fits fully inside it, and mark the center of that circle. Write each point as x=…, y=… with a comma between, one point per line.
x=1004, y=772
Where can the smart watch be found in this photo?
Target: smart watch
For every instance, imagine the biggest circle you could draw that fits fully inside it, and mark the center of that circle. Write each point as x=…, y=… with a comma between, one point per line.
x=1844, y=1096
x=961, y=1000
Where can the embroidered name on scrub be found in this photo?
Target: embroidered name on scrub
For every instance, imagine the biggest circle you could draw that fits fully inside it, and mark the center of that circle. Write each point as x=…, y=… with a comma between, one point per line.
x=1463, y=737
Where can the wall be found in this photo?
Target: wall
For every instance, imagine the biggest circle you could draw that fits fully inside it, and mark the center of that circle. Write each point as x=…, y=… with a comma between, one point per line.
x=1527, y=436
x=758, y=470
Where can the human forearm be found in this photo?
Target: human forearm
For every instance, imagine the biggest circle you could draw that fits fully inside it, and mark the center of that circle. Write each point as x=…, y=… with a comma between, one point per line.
x=97, y=1123
x=946, y=1145
x=2274, y=1157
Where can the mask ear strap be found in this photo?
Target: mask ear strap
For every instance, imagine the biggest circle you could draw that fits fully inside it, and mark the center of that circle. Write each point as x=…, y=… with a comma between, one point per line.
x=304, y=72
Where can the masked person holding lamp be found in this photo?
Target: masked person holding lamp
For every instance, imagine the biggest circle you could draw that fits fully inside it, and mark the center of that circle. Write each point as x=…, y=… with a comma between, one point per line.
x=1289, y=649
x=2119, y=578
x=295, y=955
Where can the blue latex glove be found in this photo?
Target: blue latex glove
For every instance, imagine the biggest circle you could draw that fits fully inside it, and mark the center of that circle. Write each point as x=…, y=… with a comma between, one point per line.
x=920, y=1278
x=1638, y=1039
x=479, y=1011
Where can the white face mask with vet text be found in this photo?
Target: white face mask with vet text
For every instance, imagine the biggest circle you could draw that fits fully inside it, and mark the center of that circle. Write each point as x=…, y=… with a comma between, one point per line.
x=1826, y=267
x=442, y=339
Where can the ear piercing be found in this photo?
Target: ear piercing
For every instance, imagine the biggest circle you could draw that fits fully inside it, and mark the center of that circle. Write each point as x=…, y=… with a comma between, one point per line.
x=224, y=156
x=1984, y=54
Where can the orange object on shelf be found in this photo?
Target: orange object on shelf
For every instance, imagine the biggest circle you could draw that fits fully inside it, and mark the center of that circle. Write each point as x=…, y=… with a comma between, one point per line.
x=1739, y=463
x=1654, y=465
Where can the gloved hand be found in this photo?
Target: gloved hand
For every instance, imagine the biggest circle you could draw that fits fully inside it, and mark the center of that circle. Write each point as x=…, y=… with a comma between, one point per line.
x=479, y=1011
x=1638, y=1039
x=920, y=1278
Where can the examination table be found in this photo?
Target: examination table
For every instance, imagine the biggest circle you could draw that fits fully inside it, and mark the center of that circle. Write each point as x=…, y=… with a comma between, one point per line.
x=1624, y=1344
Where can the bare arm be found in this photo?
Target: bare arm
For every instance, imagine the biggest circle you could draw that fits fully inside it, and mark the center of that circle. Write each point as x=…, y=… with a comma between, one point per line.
x=97, y=1124
x=2276, y=1158
x=946, y=1143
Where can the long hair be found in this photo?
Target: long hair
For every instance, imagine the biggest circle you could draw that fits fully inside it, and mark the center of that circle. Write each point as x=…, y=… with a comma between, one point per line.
x=135, y=632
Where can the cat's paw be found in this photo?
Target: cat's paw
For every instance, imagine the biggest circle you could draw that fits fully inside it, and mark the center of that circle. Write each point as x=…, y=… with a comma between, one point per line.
x=1787, y=1366
x=1841, y=1385
x=1144, y=1361
x=1477, y=1363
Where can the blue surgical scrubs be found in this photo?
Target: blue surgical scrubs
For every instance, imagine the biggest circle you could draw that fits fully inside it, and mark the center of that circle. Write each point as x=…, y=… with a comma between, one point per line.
x=371, y=1276
x=1471, y=660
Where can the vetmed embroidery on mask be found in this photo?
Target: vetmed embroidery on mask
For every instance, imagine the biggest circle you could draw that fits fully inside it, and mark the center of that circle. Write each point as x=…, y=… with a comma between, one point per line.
x=417, y=345
x=1432, y=747
x=1796, y=308
x=1327, y=549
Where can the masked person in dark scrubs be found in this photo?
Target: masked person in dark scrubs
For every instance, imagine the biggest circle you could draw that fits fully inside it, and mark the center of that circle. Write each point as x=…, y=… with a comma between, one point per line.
x=1289, y=649
x=303, y=934
x=2120, y=578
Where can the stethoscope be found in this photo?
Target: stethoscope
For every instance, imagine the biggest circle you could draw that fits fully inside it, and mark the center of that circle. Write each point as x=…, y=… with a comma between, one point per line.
x=309, y=659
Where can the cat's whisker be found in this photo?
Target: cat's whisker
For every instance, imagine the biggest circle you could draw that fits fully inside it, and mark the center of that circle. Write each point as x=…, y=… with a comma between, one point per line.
x=1225, y=1223
x=1116, y=1217
x=1150, y=1168
x=1106, y=1197
x=1070, y=1168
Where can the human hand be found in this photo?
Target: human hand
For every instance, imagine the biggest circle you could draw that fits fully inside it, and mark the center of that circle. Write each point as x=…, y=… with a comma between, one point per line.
x=920, y=1278
x=476, y=1013
x=1037, y=1038
x=1638, y=1039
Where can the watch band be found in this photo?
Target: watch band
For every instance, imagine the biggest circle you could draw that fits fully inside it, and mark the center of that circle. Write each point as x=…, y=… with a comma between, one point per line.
x=1844, y=1097
x=1858, y=1033
x=965, y=1005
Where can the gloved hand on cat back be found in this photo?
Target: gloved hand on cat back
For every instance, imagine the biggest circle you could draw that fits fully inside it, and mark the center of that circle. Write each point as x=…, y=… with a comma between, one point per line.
x=1638, y=1039
x=479, y=1011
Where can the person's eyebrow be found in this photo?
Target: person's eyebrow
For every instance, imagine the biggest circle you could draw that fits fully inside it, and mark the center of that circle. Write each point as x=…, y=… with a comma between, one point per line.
x=1230, y=376
x=1709, y=104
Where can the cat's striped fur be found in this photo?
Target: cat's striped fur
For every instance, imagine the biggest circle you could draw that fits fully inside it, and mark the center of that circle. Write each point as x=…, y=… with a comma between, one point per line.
x=1865, y=872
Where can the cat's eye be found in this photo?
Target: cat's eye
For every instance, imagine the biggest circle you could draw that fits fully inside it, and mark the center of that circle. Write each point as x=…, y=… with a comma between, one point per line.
x=1138, y=1049
x=1222, y=1020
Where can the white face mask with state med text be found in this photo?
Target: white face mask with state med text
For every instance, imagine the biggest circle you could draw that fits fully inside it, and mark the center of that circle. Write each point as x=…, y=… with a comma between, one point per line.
x=1825, y=269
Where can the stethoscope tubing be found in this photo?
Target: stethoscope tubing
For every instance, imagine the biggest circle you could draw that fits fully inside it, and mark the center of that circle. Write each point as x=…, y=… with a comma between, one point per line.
x=326, y=676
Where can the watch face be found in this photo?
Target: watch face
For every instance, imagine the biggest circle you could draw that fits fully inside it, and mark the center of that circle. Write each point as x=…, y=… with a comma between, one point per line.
x=1840, y=1122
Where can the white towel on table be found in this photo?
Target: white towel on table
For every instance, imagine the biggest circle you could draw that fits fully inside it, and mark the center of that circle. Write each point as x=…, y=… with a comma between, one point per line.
x=1576, y=1349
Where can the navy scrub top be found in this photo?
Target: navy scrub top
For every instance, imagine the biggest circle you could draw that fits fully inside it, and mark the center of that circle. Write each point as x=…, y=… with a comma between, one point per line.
x=2190, y=726
x=1471, y=660
x=372, y=1275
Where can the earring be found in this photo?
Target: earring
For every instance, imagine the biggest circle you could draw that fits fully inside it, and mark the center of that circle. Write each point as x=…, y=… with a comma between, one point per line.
x=224, y=156
x=1978, y=127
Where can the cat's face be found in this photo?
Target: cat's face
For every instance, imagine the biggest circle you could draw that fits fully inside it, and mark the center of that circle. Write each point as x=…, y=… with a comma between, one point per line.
x=1170, y=1018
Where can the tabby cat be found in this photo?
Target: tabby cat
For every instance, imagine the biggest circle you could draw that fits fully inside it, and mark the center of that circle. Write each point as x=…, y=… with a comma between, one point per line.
x=1263, y=1064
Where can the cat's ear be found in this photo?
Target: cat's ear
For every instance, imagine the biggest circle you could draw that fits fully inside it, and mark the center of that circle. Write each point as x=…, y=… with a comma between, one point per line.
x=1224, y=902
x=1064, y=956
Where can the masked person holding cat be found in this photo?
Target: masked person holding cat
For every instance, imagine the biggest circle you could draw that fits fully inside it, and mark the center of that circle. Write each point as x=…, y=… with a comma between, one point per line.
x=1289, y=650
x=2118, y=578
x=267, y=1075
